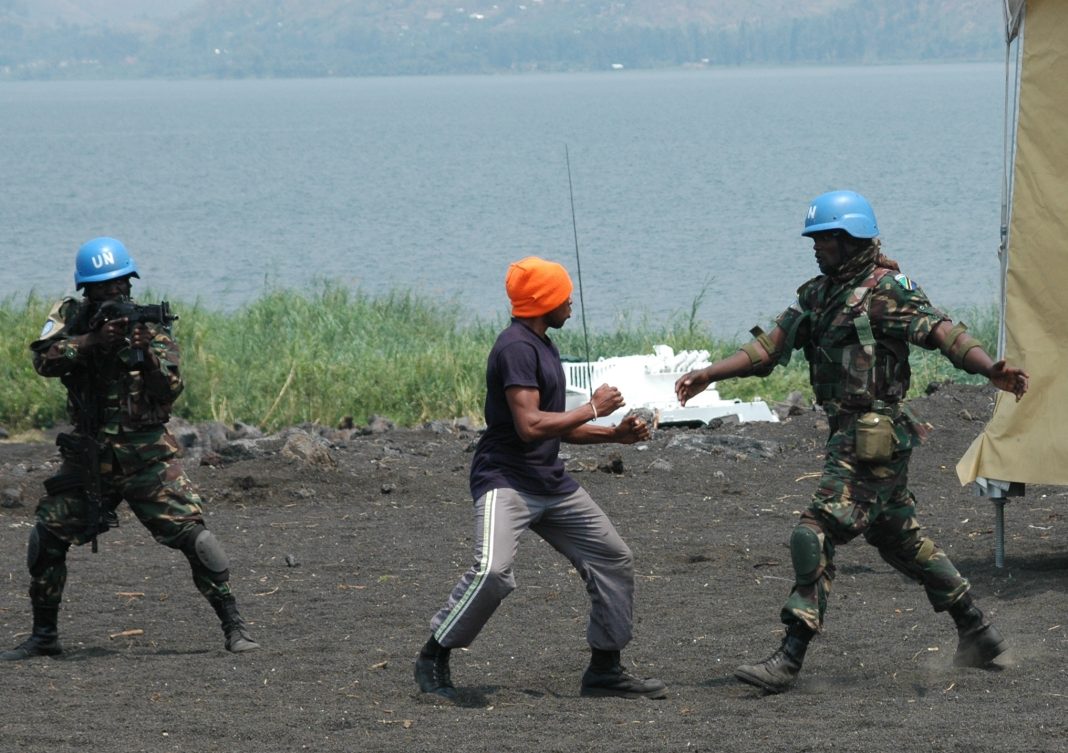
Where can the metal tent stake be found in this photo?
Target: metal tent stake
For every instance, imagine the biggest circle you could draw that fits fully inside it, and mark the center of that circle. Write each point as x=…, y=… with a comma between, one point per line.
x=999, y=491
x=999, y=533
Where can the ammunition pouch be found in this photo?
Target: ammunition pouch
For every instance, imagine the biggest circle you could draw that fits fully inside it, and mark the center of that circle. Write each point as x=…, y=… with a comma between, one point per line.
x=73, y=447
x=64, y=482
x=874, y=438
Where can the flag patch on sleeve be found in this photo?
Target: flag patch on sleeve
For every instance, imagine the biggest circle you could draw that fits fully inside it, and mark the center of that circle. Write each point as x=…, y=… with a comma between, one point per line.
x=905, y=282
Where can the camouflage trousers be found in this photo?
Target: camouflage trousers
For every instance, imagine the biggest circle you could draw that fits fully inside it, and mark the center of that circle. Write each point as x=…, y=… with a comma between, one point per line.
x=151, y=480
x=859, y=498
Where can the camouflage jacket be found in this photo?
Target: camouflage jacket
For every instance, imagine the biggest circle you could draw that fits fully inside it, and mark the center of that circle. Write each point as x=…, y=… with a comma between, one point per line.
x=104, y=395
x=855, y=332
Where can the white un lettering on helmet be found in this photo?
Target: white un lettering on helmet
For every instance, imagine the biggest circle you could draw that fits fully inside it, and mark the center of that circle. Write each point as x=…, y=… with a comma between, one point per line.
x=812, y=212
x=105, y=258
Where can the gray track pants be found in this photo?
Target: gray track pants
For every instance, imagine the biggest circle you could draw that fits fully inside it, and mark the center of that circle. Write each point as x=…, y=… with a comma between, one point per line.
x=577, y=528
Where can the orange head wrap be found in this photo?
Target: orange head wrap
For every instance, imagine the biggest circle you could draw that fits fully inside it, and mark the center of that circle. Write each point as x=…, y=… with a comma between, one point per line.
x=536, y=286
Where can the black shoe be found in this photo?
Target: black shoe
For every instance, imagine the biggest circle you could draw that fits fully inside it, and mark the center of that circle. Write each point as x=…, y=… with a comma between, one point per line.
x=775, y=674
x=31, y=647
x=43, y=641
x=432, y=674
x=111, y=519
x=234, y=628
x=779, y=671
x=617, y=683
x=979, y=647
x=978, y=642
x=238, y=639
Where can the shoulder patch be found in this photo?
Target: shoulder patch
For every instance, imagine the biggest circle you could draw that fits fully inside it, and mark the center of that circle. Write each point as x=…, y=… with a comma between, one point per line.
x=904, y=281
x=48, y=327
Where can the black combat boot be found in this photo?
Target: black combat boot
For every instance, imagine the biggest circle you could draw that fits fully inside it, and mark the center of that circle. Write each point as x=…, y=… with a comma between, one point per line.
x=779, y=671
x=606, y=677
x=978, y=642
x=432, y=670
x=111, y=519
x=237, y=636
x=43, y=641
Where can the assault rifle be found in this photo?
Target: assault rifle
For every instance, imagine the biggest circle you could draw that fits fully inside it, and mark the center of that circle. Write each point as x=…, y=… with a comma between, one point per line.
x=134, y=313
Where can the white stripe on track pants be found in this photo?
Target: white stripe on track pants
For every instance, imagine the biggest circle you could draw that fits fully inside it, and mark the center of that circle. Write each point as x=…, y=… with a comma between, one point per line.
x=577, y=528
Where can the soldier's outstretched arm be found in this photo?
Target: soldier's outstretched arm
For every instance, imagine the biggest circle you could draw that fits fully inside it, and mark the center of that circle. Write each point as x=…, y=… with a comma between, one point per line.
x=755, y=358
x=966, y=353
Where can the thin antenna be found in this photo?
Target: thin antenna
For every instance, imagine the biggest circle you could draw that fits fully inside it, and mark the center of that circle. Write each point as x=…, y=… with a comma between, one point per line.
x=578, y=264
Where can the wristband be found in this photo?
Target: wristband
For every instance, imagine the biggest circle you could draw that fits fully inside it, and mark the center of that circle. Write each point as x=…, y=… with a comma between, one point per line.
x=594, y=409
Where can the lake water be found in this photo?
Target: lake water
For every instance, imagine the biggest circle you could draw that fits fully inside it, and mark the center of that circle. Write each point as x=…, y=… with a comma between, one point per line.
x=683, y=181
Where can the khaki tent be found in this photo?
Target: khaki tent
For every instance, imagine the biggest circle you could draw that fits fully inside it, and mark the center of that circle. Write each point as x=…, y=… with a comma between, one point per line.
x=1027, y=441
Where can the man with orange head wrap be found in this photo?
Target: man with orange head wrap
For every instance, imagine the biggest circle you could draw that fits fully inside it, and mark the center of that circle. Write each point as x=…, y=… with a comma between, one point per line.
x=518, y=482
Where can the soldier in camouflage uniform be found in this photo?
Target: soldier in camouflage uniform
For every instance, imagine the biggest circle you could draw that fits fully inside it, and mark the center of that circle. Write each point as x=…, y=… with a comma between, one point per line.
x=855, y=323
x=122, y=379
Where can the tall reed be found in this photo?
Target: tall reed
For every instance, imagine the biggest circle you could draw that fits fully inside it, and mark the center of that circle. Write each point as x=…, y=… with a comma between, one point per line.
x=291, y=357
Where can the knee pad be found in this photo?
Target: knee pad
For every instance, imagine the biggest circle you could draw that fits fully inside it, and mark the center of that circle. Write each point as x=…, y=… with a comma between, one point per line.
x=806, y=548
x=205, y=550
x=43, y=549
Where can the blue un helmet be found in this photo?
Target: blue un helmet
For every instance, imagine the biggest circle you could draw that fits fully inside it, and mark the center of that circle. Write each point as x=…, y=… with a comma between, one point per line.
x=841, y=210
x=102, y=259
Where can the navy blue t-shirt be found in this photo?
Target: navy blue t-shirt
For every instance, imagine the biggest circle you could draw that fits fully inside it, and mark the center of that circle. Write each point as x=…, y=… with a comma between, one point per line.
x=520, y=358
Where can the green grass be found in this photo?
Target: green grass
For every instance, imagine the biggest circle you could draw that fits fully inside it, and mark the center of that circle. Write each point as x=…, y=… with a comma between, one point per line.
x=27, y=400
x=289, y=358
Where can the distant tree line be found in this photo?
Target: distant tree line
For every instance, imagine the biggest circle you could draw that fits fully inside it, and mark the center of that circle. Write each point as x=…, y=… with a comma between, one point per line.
x=241, y=46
